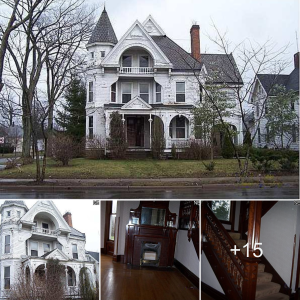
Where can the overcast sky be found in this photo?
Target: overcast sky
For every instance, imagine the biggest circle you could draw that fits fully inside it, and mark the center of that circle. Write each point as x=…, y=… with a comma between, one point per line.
x=257, y=20
x=85, y=218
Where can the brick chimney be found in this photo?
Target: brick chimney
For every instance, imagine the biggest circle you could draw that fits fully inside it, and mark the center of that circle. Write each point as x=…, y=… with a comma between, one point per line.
x=195, y=41
x=68, y=217
x=296, y=60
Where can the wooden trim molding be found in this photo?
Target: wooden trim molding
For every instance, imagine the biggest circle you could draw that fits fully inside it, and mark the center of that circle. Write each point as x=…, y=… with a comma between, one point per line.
x=118, y=258
x=212, y=292
x=187, y=273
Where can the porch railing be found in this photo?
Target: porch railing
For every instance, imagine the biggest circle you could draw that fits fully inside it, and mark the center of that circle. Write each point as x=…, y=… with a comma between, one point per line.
x=180, y=143
x=136, y=70
x=44, y=231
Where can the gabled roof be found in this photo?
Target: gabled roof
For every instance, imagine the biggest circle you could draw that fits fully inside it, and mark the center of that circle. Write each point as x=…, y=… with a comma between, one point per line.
x=222, y=68
x=290, y=82
x=181, y=60
x=103, y=31
x=95, y=255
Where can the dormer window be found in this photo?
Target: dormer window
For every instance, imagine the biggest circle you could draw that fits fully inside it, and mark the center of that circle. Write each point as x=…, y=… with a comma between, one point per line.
x=92, y=55
x=144, y=61
x=8, y=214
x=126, y=61
x=102, y=53
x=18, y=214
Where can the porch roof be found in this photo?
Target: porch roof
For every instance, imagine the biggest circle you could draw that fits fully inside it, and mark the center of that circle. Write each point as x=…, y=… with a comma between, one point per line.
x=154, y=106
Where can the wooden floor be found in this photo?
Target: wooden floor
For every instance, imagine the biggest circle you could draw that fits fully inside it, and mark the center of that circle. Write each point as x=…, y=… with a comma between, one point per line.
x=121, y=283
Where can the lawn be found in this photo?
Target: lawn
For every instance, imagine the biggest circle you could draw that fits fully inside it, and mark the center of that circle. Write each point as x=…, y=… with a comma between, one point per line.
x=81, y=168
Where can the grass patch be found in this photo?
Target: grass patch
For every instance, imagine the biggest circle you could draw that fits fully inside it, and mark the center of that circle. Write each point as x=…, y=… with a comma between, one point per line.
x=81, y=168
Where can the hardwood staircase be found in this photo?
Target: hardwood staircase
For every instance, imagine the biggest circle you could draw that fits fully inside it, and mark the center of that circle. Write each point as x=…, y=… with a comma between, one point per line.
x=193, y=232
x=265, y=288
x=241, y=277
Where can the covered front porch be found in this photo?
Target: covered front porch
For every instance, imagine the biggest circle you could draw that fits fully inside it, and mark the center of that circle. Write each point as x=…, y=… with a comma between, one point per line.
x=139, y=129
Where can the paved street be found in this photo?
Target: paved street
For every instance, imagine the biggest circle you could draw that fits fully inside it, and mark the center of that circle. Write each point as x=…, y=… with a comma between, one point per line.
x=206, y=192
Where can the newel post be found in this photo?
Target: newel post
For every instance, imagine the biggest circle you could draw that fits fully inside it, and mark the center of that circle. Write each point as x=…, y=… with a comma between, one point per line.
x=251, y=263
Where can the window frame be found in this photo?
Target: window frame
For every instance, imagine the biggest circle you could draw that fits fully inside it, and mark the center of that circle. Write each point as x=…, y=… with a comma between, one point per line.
x=76, y=253
x=131, y=90
x=231, y=214
x=37, y=250
x=144, y=55
x=91, y=91
x=181, y=93
x=91, y=128
x=92, y=55
x=128, y=55
x=6, y=245
x=158, y=93
x=18, y=213
x=44, y=248
x=6, y=278
x=102, y=54
x=113, y=92
x=148, y=84
x=8, y=213
x=174, y=128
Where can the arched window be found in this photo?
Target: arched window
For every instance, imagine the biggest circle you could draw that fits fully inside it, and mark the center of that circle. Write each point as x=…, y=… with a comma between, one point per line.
x=71, y=277
x=179, y=127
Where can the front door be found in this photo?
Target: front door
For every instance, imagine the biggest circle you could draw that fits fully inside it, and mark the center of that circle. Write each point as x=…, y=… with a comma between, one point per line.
x=135, y=131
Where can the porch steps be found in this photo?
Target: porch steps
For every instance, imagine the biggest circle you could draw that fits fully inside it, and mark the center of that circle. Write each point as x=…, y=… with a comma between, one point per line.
x=265, y=288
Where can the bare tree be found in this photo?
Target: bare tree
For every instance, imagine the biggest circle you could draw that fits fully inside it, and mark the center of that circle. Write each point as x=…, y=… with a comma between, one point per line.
x=234, y=83
x=52, y=40
x=19, y=12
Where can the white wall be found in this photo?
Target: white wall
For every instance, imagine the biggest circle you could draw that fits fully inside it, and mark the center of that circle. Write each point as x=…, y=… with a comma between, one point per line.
x=103, y=209
x=185, y=252
x=208, y=276
x=278, y=227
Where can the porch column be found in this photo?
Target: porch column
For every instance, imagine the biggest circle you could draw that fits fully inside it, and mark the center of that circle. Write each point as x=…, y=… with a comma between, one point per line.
x=123, y=120
x=150, y=122
x=66, y=270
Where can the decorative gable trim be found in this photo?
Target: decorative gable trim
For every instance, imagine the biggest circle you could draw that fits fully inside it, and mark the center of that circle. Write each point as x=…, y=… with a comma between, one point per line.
x=48, y=207
x=151, y=22
x=137, y=103
x=57, y=254
x=113, y=57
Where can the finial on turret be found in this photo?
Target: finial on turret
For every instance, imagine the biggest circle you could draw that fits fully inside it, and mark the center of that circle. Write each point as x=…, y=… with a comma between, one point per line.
x=104, y=10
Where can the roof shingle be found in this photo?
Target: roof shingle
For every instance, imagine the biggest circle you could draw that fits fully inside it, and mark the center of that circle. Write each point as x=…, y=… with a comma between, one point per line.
x=103, y=31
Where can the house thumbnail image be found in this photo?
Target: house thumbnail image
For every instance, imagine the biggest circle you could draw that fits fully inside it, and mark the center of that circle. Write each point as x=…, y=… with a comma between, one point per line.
x=30, y=238
x=250, y=250
x=149, y=250
x=146, y=76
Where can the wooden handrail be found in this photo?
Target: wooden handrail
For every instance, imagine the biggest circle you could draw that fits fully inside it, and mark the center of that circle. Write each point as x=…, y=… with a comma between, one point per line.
x=242, y=270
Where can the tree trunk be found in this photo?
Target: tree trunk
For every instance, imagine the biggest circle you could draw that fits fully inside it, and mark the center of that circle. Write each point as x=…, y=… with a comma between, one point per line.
x=26, y=135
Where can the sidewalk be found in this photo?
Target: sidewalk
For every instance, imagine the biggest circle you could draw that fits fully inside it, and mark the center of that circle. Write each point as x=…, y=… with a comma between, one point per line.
x=179, y=182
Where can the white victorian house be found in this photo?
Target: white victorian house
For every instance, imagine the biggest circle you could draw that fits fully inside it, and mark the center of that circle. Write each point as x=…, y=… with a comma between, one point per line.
x=261, y=92
x=146, y=75
x=29, y=237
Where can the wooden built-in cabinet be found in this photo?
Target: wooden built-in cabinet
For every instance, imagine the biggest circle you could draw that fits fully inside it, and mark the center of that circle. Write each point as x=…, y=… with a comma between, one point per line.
x=139, y=231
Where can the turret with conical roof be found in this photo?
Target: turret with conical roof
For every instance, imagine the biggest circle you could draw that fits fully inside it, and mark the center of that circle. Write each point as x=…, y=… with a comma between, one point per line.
x=103, y=38
x=12, y=210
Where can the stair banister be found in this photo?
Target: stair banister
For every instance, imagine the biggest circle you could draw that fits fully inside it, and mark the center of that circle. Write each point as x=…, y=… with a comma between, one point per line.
x=242, y=270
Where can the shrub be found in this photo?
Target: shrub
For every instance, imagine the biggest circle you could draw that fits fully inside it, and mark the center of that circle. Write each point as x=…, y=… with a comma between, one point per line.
x=64, y=148
x=227, y=148
x=210, y=166
x=117, y=140
x=174, y=151
x=158, y=139
x=95, y=148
